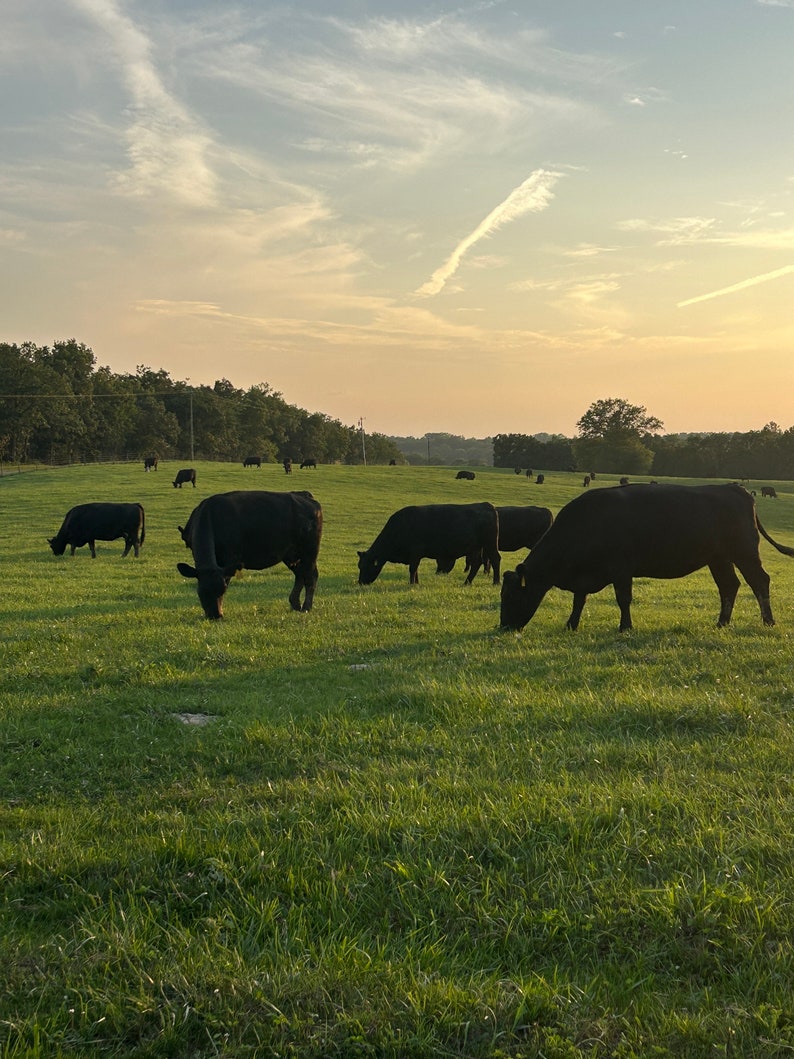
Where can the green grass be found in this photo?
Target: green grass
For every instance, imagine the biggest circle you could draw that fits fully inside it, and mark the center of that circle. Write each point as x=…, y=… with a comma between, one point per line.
x=400, y=832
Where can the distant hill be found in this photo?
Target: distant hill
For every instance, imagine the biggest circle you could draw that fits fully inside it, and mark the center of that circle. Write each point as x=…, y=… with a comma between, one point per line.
x=446, y=450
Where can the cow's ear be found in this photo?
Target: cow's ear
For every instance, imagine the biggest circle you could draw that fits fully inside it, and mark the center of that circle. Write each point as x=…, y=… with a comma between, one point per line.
x=186, y=571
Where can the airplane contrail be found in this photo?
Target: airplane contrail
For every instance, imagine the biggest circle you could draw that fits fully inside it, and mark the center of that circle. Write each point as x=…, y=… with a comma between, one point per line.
x=740, y=286
x=533, y=195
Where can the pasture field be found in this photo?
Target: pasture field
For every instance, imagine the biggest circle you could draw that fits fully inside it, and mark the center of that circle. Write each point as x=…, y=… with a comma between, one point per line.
x=383, y=828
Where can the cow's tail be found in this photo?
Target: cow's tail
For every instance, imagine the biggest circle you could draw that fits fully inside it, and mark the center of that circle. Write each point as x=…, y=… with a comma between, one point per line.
x=143, y=523
x=780, y=547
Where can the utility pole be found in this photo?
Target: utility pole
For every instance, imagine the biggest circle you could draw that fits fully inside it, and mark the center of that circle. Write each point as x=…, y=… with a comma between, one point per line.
x=363, y=441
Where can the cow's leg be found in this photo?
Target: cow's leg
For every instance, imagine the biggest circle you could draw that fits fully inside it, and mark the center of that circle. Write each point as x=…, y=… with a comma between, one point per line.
x=128, y=543
x=92, y=546
x=475, y=560
x=758, y=580
x=496, y=565
x=73, y=548
x=728, y=585
x=311, y=584
x=623, y=596
x=413, y=571
x=579, y=600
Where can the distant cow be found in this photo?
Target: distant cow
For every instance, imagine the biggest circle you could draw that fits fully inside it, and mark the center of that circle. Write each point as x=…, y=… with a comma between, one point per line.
x=529, y=472
x=466, y=475
x=150, y=463
x=519, y=527
x=308, y=462
x=624, y=481
x=252, y=461
x=768, y=490
x=392, y=463
x=541, y=478
x=610, y=536
x=586, y=481
x=187, y=474
x=88, y=523
x=253, y=530
x=517, y=470
x=443, y=532
x=287, y=465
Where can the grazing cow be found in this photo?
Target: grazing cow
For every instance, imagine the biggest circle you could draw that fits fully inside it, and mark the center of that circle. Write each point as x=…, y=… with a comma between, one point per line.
x=517, y=470
x=467, y=476
x=392, y=463
x=624, y=481
x=88, y=523
x=443, y=532
x=150, y=463
x=187, y=474
x=307, y=461
x=541, y=478
x=529, y=472
x=586, y=481
x=287, y=465
x=252, y=530
x=519, y=527
x=252, y=461
x=592, y=476
x=611, y=536
x=768, y=490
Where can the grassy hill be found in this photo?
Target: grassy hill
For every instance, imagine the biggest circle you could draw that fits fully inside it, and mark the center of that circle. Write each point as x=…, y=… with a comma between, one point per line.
x=383, y=828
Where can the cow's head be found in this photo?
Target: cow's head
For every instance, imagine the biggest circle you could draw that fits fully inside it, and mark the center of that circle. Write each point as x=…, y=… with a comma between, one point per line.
x=212, y=585
x=369, y=566
x=520, y=599
x=58, y=546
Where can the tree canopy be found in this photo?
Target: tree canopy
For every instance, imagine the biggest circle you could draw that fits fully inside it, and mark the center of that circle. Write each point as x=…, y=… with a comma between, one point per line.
x=613, y=419
x=57, y=406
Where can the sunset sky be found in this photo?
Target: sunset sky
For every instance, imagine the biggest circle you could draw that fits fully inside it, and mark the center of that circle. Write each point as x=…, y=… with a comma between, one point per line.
x=466, y=217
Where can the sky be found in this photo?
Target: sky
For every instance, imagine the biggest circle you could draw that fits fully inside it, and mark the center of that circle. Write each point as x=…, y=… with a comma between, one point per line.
x=476, y=217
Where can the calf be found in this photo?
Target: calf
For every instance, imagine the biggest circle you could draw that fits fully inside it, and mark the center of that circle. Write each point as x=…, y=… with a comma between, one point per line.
x=252, y=530
x=89, y=523
x=610, y=536
x=187, y=474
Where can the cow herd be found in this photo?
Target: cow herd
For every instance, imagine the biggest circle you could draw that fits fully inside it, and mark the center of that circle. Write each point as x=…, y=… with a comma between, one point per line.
x=605, y=536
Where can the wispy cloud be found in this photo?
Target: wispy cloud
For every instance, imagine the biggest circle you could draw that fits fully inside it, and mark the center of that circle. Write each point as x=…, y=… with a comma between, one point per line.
x=752, y=282
x=533, y=195
x=167, y=148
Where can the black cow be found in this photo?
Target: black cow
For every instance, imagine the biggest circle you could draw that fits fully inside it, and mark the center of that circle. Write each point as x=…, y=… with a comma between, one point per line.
x=88, y=523
x=586, y=481
x=308, y=462
x=467, y=476
x=287, y=465
x=541, y=478
x=443, y=532
x=519, y=527
x=187, y=474
x=768, y=490
x=252, y=530
x=150, y=463
x=610, y=536
x=624, y=480
x=252, y=461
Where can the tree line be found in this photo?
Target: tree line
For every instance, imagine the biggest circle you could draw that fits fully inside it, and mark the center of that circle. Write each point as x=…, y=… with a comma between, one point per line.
x=616, y=437
x=57, y=406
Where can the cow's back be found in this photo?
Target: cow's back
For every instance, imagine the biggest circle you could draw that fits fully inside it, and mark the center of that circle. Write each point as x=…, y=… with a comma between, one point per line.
x=661, y=531
x=254, y=528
